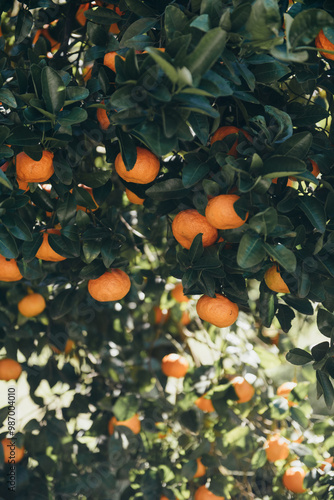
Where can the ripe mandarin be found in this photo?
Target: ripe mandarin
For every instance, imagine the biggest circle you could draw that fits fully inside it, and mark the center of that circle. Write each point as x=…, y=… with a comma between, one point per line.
x=223, y=132
x=185, y=318
x=68, y=347
x=178, y=295
x=9, y=369
x=201, y=469
x=322, y=42
x=174, y=365
x=220, y=212
x=102, y=118
x=293, y=479
x=29, y=170
x=112, y=285
x=202, y=493
x=9, y=270
x=32, y=305
x=284, y=390
x=187, y=224
x=109, y=60
x=274, y=280
x=276, y=448
x=133, y=198
x=218, y=311
x=243, y=389
x=132, y=423
x=45, y=252
x=11, y=451
x=204, y=404
x=145, y=169
x=326, y=461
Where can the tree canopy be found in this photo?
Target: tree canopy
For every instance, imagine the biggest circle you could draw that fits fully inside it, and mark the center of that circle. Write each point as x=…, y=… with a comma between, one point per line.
x=167, y=189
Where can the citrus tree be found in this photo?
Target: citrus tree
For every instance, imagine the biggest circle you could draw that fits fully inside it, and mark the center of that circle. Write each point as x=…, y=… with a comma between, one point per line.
x=166, y=249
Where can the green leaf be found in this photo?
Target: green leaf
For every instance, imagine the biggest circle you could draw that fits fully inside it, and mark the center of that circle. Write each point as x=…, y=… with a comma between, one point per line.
x=153, y=136
x=264, y=222
x=325, y=323
x=175, y=22
x=327, y=388
x=125, y=407
x=282, y=121
x=266, y=306
x=264, y=24
x=7, y=97
x=194, y=170
x=307, y=24
x=206, y=53
x=166, y=67
x=302, y=115
x=200, y=125
x=66, y=208
x=76, y=115
x=296, y=146
x=304, y=306
x=5, y=181
x=23, y=26
x=196, y=103
x=167, y=190
x=140, y=8
x=250, y=251
x=109, y=252
x=189, y=419
x=299, y=416
x=17, y=227
x=285, y=257
x=29, y=248
x=201, y=22
x=91, y=250
x=285, y=315
x=237, y=434
x=298, y=356
x=314, y=211
x=196, y=250
x=139, y=27
x=62, y=304
x=270, y=72
x=282, y=166
x=76, y=93
x=53, y=89
x=8, y=247
x=102, y=15
x=128, y=148
x=92, y=271
x=259, y=459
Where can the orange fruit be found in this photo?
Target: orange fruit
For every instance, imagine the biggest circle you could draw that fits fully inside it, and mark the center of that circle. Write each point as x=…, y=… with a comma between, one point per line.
x=87, y=72
x=102, y=118
x=293, y=479
x=11, y=451
x=109, y=60
x=201, y=469
x=315, y=169
x=277, y=448
x=132, y=423
x=185, y=318
x=45, y=34
x=223, y=132
x=322, y=42
x=284, y=390
x=328, y=460
x=29, y=170
x=114, y=29
x=178, y=295
x=80, y=15
x=274, y=280
x=188, y=224
x=31, y=305
x=133, y=198
x=243, y=389
x=159, y=315
x=145, y=170
x=221, y=214
x=114, y=284
x=204, y=404
x=9, y=369
x=174, y=365
x=218, y=311
x=9, y=270
x=202, y=493
x=45, y=252
x=68, y=347
x=165, y=498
